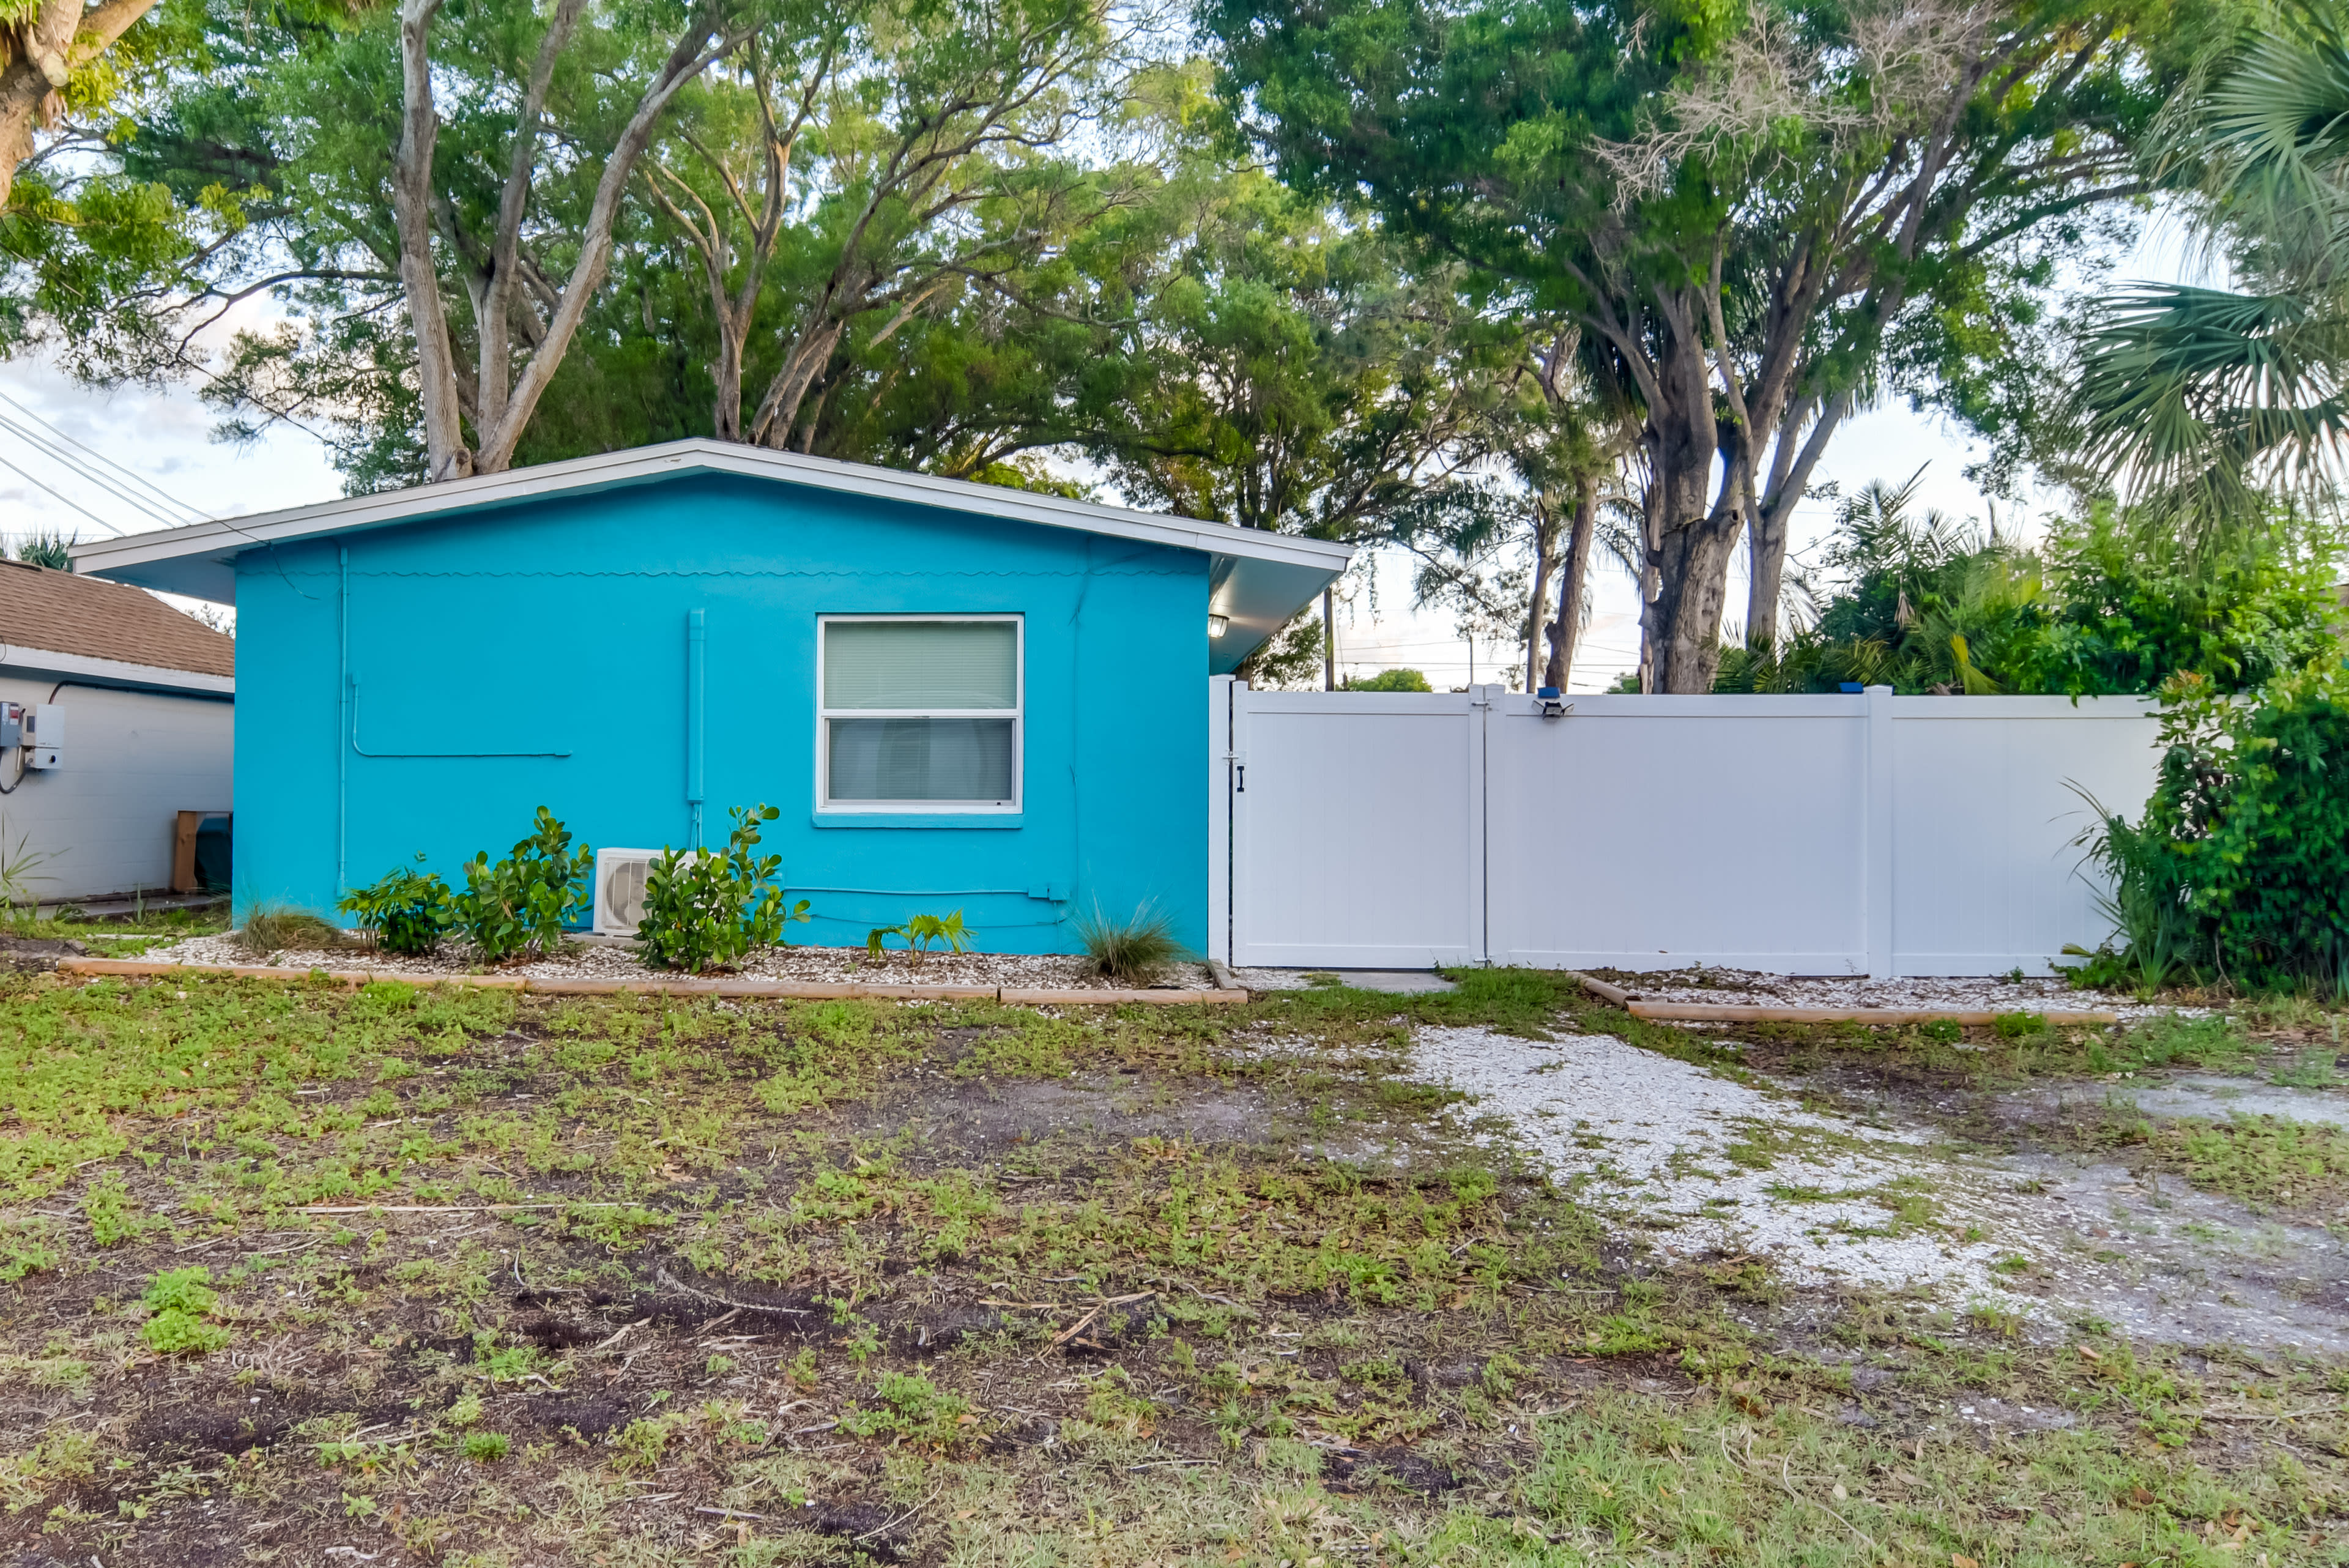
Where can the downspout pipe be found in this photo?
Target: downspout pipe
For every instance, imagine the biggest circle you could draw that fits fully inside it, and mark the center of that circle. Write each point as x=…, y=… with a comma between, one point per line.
x=342, y=720
x=697, y=662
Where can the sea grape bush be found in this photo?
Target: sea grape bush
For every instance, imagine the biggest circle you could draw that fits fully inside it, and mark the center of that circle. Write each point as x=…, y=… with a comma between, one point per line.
x=709, y=910
x=408, y=911
x=521, y=904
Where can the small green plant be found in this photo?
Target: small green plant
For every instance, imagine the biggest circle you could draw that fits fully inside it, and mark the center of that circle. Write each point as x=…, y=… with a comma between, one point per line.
x=1133, y=949
x=706, y=912
x=113, y=1217
x=182, y=1303
x=18, y=865
x=484, y=1447
x=275, y=929
x=911, y=1409
x=25, y=1247
x=919, y=932
x=2015, y=1026
x=408, y=911
x=519, y=905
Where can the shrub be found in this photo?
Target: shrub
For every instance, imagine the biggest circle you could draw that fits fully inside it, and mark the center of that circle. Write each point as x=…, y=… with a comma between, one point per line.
x=705, y=910
x=2112, y=603
x=181, y=1301
x=520, y=904
x=1132, y=949
x=2239, y=868
x=407, y=912
x=271, y=928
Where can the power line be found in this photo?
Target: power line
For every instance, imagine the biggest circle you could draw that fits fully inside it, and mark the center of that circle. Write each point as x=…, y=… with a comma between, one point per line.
x=62, y=496
x=91, y=475
x=78, y=471
x=192, y=514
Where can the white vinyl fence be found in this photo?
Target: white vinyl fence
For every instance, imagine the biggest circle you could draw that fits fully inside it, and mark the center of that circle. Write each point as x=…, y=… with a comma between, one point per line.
x=1866, y=833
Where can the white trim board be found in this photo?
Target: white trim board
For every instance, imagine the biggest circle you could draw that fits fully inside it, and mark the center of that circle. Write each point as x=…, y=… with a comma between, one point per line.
x=16, y=659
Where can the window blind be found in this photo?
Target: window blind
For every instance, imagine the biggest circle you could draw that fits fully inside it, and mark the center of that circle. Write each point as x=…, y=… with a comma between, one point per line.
x=921, y=759
x=921, y=665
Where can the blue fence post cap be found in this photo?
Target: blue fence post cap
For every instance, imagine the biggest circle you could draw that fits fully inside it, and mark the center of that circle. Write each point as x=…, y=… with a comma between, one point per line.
x=1547, y=691
x=1854, y=687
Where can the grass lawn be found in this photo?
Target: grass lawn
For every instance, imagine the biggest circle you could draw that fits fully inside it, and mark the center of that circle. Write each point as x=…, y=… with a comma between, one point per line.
x=307, y=1275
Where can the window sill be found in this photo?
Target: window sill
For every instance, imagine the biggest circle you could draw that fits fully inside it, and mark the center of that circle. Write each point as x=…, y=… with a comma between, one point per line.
x=983, y=820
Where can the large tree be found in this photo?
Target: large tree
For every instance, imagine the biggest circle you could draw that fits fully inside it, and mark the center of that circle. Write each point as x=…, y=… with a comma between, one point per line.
x=864, y=158
x=1740, y=203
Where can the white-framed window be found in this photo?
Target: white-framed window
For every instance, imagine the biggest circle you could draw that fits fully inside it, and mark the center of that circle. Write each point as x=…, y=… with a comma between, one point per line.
x=918, y=712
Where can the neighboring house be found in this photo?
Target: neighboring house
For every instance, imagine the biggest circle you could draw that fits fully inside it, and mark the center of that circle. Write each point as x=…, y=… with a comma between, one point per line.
x=138, y=703
x=960, y=696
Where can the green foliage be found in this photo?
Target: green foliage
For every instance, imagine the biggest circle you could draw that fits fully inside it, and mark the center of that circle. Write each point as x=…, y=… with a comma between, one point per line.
x=181, y=1301
x=1132, y=949
x=2239, y=866
x=918, y=932
x=27, y=1248
x=705, y=911
x=408, y=911
x=912, y=1410
x=48, y=548
x=520, y=904
x=2112, y=603
x=1392, y=680
x=486, y=1447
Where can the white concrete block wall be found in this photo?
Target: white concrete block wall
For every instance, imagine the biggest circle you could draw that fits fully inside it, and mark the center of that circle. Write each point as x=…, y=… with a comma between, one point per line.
x=133, y=761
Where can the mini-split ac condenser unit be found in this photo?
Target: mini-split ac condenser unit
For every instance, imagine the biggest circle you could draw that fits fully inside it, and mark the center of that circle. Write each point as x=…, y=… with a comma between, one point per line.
x=620, y=890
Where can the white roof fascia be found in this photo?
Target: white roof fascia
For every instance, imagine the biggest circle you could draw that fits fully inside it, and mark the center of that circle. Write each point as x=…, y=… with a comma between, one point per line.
x=15, y=658
x=223, y=538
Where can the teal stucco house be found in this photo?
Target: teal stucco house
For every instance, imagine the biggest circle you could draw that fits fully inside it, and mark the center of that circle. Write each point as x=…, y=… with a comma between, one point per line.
x=959, y=696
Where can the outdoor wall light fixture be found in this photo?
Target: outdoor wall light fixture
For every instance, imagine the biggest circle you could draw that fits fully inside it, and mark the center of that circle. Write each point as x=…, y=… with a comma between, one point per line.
x=1553, y=702
x=1219, y=624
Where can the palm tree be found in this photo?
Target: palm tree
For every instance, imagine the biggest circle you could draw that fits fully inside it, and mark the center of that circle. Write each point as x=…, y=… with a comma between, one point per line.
x=2196, y=399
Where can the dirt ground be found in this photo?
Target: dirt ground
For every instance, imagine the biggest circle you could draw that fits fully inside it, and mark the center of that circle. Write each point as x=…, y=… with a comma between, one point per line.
x=300, y=1276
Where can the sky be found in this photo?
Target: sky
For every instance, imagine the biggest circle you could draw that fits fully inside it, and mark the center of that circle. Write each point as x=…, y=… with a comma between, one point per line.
x=164, y=437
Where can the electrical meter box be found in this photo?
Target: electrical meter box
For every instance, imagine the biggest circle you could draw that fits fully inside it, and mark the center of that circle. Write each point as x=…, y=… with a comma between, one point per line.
x=44, y=738
x=12, y=724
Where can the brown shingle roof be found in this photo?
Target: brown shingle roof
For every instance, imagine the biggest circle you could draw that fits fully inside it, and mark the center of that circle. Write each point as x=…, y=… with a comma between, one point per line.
x=62, y=613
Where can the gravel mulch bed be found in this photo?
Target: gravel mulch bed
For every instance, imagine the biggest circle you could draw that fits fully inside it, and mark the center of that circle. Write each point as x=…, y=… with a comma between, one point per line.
x=1990, y=994
x=607, y=959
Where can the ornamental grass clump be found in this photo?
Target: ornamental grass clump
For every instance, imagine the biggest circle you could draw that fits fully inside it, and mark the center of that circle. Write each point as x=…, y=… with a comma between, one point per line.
x=705, y=911
x=273, y=928
x=518, y=906
x=1135, y=950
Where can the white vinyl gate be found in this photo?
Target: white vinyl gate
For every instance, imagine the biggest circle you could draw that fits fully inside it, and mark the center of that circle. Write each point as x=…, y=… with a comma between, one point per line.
x=1866, y=833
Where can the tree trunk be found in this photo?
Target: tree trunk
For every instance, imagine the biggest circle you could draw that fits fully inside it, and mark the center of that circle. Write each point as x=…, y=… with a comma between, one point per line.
x=1568, y=628
x=1692, y=535
x=778, y=410
x=1329, y=642
x=1797, y=455
x=446, y=455
x=1545, y=548
x=56, y=39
